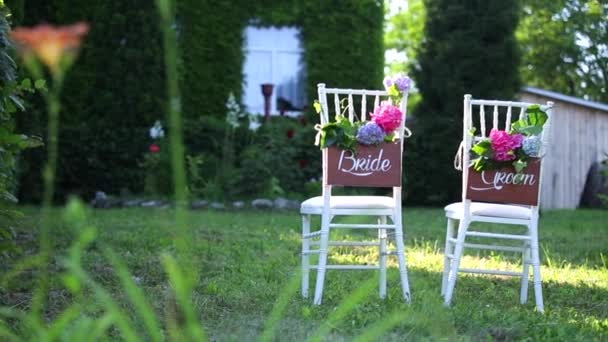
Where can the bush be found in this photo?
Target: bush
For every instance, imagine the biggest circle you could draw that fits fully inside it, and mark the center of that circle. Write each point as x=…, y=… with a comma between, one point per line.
x=116, y=91
x=469, y=48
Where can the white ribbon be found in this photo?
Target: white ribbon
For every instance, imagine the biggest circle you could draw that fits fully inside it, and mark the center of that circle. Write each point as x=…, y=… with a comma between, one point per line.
x=458, y=157
x=318, y=128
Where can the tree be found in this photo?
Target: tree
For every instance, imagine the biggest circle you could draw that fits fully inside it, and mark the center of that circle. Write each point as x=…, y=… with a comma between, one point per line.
x=565, y=47
x=469, y=48
x=404, y=33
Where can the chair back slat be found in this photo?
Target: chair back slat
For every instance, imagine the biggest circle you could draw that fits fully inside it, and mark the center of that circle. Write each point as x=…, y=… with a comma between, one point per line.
x=508, y=119
x=522, y=112
x=363, y=108
x=482, y=121
x=351, y=108
x=337, y=104
x=495, y=117
x=376, y=102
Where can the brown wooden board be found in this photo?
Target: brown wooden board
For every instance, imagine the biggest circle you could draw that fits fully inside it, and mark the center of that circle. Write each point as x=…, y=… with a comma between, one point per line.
x=505, y=186
x=372, y=166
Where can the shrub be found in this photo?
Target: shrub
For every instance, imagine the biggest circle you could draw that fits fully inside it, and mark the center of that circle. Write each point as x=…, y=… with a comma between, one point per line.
x=469, y=48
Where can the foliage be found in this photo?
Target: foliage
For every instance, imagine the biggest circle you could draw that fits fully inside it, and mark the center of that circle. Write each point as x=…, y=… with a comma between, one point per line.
x=564, y=45
x=469, y=48
x=108, y=118
x=111, y=272
x=111, y=96
x=486, y=157
x=11, y=142
x=404, y=34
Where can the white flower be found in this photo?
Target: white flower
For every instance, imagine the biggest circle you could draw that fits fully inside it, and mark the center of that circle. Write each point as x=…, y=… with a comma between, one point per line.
x=157, y=131
x=233, y=111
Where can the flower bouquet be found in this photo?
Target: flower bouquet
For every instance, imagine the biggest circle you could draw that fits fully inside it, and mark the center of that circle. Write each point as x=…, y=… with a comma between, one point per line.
x=385, y=120
x=365, y=153
x=511, y=149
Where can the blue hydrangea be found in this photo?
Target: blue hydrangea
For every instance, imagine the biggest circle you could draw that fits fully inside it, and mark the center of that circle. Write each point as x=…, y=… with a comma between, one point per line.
x=402, y=83
x=531, y=145
x=370, y=134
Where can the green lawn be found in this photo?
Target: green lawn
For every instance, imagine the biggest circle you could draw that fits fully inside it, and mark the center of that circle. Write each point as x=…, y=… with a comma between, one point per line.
x=245, y=261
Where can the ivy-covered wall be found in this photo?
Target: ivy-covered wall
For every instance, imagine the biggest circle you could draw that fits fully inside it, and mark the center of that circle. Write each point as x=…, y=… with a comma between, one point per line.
x=342, y=43
x=116, y=89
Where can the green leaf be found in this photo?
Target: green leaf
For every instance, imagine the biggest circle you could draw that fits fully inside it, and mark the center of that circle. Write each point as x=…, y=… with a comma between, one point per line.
x=317, y=106
x=519, y=165
x=392, y=90
x=26, y=83
x=40, y=84
x=483, y=148
x=7, y=196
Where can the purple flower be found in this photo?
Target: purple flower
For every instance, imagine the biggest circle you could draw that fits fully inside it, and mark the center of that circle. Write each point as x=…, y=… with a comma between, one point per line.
x=388, y=82
x=370, y=134
x=402, y=83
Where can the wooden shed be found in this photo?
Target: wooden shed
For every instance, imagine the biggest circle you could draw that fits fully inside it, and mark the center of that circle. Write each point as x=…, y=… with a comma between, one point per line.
x=578, y=137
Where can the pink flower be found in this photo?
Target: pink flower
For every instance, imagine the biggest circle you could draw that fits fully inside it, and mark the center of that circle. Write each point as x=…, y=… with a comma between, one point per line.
x=388, y=117
x=154, y=148
x=503, y=144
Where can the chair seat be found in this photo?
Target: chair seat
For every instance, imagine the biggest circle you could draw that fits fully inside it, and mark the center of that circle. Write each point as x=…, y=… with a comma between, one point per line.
x=315, y=204
x=455, y=210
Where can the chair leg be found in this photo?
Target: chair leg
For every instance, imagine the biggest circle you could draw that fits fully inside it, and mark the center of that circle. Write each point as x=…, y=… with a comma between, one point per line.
x=382, y=256
x=525, y=260
x=405, y=285
x=538, y=290
x=453, y=272
x=449, y=249
x=305, y=254
x=321, y=267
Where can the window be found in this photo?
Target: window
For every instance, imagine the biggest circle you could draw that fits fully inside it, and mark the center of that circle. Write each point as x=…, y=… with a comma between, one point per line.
x=273, y=55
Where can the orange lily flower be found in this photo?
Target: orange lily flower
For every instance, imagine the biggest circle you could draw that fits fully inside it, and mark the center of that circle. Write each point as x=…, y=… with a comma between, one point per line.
x=50, y=43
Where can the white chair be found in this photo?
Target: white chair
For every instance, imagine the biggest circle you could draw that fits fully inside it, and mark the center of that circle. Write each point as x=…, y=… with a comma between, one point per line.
x=329, y=206
x=504, y=212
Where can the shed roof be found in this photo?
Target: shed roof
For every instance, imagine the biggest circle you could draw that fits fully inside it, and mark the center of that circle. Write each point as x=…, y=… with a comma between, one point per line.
x=566, y=98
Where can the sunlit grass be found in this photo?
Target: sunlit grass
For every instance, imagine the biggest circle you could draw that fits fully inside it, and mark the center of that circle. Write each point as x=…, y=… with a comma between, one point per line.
x=247, y=262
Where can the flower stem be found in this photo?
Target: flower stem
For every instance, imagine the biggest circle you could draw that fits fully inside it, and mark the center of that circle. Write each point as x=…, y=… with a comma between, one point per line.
x=48, y=176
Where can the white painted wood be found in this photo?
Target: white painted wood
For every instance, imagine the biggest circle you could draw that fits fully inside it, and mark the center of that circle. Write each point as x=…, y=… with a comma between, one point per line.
x=327, y=213
x=382, y=254
x=364, y=108
x=455, y=246
x=305, y=254
x=495, y=117
x=498, y=236
x=495, y=272
x=482, y=121
x=358, y=226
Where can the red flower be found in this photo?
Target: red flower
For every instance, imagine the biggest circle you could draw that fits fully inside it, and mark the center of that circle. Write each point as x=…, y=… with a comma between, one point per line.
x=303, y=163
x=154, y=148
x=290, y=134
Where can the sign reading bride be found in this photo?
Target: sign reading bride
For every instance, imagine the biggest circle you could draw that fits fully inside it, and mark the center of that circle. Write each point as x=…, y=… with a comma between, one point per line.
x=506, y=185
x=369, y=166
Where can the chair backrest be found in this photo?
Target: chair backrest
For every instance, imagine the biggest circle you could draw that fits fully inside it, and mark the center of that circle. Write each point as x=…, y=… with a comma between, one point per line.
x=498, y=186
x=347, y=102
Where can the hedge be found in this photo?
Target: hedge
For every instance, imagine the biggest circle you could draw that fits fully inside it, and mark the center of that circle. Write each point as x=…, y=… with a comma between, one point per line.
x=116, y=89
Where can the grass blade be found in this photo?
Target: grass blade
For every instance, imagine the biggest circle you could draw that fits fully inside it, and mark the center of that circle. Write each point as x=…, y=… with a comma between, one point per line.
x=346, y=306
x=279, y=307
x=135, y=294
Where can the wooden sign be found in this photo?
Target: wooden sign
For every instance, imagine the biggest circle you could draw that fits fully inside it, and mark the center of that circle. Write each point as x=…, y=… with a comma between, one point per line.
x=372, y=166
x=506, y=185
